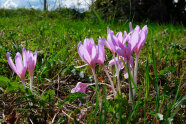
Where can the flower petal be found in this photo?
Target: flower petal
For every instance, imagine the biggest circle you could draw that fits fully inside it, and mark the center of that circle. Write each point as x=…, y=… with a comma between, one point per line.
x=120, y=51
x=130, y=26
x=119, y=36
x=86, y=55
x=145, y=29
x=101, y=54
x=134, y=40
x=10, y=62
x=19, y=63
x=35, y=58
x=80, y=87
x=109, y=31
x=94, y=54
x=80, y=51
x=24, y=52
x=112, y=62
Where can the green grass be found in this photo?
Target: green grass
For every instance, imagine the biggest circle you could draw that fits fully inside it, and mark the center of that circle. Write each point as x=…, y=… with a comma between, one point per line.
x=56, y=35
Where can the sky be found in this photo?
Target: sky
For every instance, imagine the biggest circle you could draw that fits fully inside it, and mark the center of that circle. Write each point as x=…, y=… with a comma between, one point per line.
x=52, y=4
x=81, y=5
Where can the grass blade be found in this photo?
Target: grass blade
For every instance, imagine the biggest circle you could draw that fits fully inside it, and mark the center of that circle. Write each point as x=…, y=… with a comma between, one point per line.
x=156, y=77
x=147, y=86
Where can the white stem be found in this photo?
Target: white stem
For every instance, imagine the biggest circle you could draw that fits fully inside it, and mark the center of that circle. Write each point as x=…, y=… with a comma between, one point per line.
x=130, y=84
x=117, y=73
x=111, y=82
x=31, y=82
x=95, y=78
x=23, y=82
x=136, y=72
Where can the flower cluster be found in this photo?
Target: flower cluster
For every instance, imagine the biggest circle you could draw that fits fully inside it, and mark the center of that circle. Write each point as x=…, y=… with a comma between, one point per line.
x=21, y=65
x=121, y=45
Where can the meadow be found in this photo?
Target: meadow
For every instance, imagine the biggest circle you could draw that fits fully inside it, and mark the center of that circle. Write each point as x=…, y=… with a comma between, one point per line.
x=55, y=35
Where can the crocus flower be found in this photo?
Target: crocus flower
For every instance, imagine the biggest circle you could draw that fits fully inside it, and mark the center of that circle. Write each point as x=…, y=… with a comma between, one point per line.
x=20, y=65
x=143, y=35
x=112, y=44
x=88, y=52
x=124, y=46
x=125, y=50
x=80, y=87
x=31, y=62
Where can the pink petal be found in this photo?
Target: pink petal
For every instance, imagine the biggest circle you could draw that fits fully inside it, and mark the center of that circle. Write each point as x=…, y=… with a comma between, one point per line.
x=102, y=41
x=80, y=87
x=119, y=36
x=19, y=63
x=110, y=31
x=130, y=26
x=137, y=28
x=111, y=42
x=124, y=37
x=35, y=58
x=101, y=55
x=120, y=51
x=134, y=40
x=20, y=68
x=143, y=35
x=81, y=52
x=94, y=53
x=10, y=62
x=88, y=43
x=145, y=29
x=31, y=64
x=91, y=41
x=86, y=55
x=112, y=62
x=24, y=52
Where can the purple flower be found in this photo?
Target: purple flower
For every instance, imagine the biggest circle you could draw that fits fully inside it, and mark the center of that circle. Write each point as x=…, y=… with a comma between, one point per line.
x=31, y=62
x=88, y=52
x=80, y=87
x=20, y=65
x=123, y=44
x=128, y=45
x=143, y=35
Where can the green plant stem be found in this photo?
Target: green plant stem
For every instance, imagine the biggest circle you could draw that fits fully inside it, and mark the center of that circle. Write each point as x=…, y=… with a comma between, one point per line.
x=111, y=82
